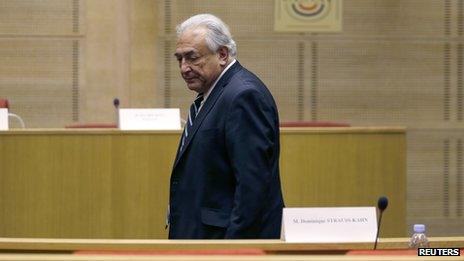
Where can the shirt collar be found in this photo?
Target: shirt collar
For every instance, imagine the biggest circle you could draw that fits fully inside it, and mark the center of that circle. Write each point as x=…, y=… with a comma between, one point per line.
x=217, y=80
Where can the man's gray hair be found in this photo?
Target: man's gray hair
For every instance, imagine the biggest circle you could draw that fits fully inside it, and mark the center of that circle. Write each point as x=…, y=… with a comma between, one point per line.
x=217, y=32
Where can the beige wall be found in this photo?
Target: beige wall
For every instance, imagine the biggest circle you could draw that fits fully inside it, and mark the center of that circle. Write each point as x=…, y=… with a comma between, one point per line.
x=69, y=59
x=120, y=57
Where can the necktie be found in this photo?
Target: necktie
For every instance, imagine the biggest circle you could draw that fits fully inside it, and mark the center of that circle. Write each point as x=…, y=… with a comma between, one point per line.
x=193, y=112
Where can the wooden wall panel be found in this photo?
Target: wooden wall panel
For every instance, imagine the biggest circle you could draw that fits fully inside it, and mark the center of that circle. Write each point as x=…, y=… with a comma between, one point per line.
x=397, y=18
x=436, y=180
x=41, y=59
x=40, y=17
x=109, y=47
x=115, y=184
x=36, y=75
x=375, y=82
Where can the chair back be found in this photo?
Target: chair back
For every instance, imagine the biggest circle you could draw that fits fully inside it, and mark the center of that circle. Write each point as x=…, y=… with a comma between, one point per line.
x=4, y=103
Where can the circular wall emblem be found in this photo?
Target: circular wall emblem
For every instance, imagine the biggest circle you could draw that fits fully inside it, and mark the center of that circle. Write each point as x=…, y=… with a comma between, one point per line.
x=308, y=9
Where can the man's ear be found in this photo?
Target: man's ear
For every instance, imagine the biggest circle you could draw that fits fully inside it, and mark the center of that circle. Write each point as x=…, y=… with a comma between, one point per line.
x=223, y=53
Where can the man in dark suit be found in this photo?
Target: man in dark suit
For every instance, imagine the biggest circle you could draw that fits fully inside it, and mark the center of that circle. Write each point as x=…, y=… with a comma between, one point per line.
x=225, y=180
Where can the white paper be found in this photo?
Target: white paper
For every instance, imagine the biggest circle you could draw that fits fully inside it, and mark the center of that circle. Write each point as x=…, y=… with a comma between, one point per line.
x=149, y=119
x=329, y=225
x=3, y=119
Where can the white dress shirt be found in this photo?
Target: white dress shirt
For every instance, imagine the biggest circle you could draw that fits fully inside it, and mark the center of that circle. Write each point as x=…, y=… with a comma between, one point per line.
x=205, y=96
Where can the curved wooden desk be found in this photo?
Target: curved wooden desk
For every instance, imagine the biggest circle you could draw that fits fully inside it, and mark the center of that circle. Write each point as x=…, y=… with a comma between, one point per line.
x=114, y=184
x=270, y=246
x=223, y=250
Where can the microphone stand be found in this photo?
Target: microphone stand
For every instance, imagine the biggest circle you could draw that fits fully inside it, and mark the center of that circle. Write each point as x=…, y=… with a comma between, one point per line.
x=378, y=229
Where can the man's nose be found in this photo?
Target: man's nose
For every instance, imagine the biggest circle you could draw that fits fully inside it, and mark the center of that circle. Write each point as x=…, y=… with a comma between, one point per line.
x=184, y=66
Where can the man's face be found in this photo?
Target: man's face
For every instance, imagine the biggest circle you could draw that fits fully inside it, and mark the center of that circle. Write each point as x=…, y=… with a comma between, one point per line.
x=199, y=66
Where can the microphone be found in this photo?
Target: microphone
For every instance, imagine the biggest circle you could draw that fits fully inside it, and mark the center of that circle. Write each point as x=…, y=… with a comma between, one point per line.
x=382, y=204
x=116, y=103
x=116, y=106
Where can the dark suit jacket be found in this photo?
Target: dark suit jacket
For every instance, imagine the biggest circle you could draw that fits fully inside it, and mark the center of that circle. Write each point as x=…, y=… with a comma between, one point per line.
x=225, y=183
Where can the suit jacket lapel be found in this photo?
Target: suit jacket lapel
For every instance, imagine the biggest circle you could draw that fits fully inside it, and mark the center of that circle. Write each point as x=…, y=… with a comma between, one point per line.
x=209, y=103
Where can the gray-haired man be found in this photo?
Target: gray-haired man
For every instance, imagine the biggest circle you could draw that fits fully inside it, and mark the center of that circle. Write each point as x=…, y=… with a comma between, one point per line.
x=225, y=180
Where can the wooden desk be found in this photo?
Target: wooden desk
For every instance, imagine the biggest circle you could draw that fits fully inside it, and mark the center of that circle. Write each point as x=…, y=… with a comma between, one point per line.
x=269, y=246
x=93, y=249
x=114, y=184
